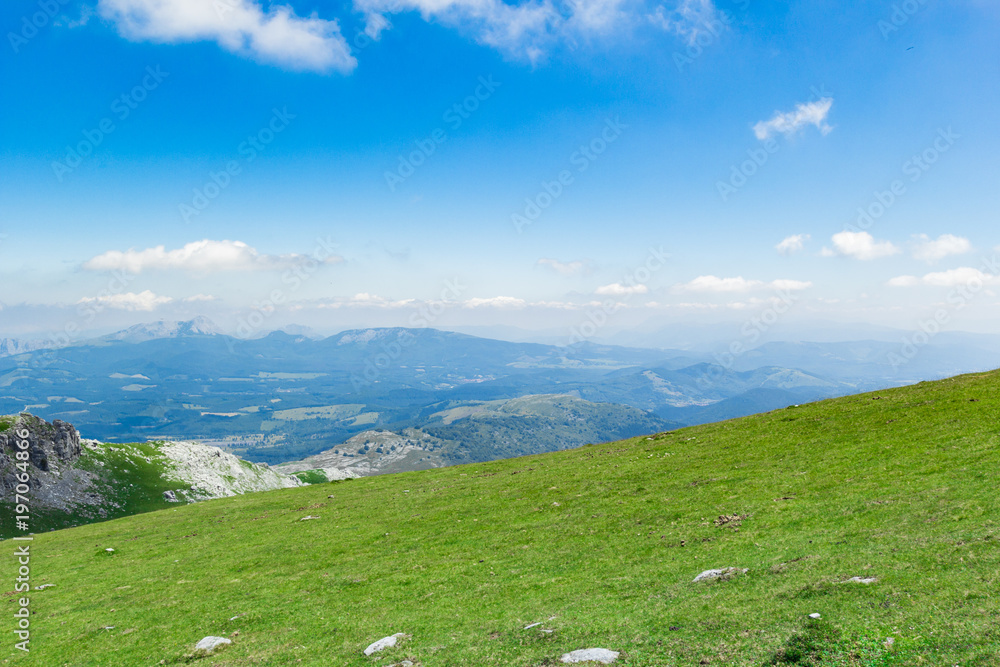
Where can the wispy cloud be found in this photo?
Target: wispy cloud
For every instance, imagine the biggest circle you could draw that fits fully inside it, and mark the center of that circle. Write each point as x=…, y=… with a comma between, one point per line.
x=518, y=29
x=738, y=284
x=790, y=122
x=688, y=19
x=792, y=244
x=932, y=250
x=144, y=301
x=199, y=256
x=495, y=302
x=240, y=26
x=618, y=289
x=859, y=245
x=574, y=268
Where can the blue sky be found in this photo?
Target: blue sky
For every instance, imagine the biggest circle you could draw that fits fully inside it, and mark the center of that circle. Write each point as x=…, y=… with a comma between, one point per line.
x=648, y=111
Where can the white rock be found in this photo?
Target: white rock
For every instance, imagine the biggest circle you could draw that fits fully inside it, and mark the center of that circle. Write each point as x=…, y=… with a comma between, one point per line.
x=861, y=580
x=209, y=644
x=109, y=550
x=528, y=627
x=384, y=643
x=307, y=518
x=601, y=655
x=815, y=616
x=213, y=473
x=721, y=573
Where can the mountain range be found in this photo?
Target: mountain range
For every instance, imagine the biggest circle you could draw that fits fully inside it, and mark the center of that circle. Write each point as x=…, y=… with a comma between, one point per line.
x=285, y=396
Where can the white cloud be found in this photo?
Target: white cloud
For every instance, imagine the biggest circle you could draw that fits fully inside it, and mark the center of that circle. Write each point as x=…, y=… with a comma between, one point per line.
x=128, y=301
x=789, y=285
x=617, y=289
x=931, y=251
x=518, y=29
x=199, y=256
x=737, y=284
x=240, y=26
x=904, y=281
x=496, y=302
x=688, y=19
x=792, y=244
x=965, y=275
x=790, y=122
x=716, y=284
x=200, y=297
x=859, y=245
x=573, y=268
x=527, y=29
x=961, y=276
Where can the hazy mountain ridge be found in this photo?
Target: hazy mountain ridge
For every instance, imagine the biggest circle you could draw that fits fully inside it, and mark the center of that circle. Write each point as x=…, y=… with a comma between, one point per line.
x=186, y=381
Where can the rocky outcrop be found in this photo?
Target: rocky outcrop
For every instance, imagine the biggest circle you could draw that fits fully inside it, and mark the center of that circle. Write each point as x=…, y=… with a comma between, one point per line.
x=208, y=472
x=86, y=480
x=53, y=449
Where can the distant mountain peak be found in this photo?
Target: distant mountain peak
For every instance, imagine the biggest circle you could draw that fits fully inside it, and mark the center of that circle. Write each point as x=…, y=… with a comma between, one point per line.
x=199, y=326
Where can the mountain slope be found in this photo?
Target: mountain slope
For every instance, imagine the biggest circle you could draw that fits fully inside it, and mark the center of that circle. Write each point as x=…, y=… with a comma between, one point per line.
x=599, y=544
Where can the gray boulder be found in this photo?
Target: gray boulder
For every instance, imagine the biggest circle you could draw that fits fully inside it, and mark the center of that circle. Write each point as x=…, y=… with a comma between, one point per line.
x=384, y=643
x=721, y=573
x=601, y=655
x=209, y=644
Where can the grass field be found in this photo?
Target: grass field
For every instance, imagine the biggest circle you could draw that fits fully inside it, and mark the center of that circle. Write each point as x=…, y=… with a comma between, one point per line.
x=599, y=544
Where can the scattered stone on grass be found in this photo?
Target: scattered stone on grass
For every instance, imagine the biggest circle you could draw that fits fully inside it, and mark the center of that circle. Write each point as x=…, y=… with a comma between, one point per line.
x=731, y=520
x=209, y=644
x=601, y=655
x=384, y=643
x=528, y=627
x=307, y=518
x=43, y=587
x=170, y=496
x=721, y=573
x=861, y=580
x=817, y=616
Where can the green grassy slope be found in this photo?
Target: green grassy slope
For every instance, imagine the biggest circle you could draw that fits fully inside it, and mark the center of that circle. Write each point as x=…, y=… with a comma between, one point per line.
x=600, y=544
